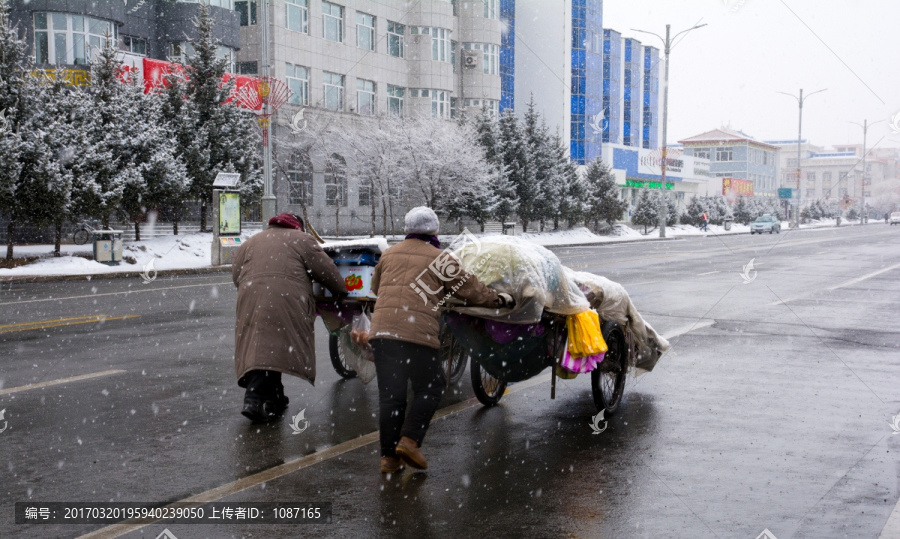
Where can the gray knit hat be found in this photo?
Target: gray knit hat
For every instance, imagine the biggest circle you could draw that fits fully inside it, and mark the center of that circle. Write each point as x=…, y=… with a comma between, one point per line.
x=422, y=220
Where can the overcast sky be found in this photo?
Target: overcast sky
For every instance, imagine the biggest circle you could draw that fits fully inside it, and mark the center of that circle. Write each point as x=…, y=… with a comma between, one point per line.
x=728, y=73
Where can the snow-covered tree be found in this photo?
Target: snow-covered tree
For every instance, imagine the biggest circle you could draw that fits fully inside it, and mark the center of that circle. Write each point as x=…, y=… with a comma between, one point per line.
x=518, y=165
x=646, y=211
x=603, y=195
x=742, y=211
x=692, y=213
x=572, y=194
x=227, y=136
x=547, y=178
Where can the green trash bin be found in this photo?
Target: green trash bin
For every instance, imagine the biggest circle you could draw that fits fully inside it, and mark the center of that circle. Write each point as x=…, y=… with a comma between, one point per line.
x=728, y=222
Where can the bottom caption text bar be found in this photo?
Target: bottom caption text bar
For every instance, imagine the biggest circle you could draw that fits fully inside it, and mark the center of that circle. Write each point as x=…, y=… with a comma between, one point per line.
x=175, y=513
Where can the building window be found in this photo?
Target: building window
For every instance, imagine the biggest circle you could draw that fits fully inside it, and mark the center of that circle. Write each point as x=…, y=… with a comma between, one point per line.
x=811, y=176
x=491, y=9
x=365, y=97
x=181, y=51
x=334, y=90
x=365, y=194
x=440, y=104
x=395, y=101
x=440, y=44
x=247, y=68
x=490, y=60
x=298, y=82
x=365, y=31
x=300, y=181
x=333, y=22
x=247, y=11
x=217, y=3
x=64, y=38
x=724, y=154
x=297, y=15
x=453, y=107
x=701, y=153
x=134, y=45
x=336, y=181
x=453, y=46
x=395, y=39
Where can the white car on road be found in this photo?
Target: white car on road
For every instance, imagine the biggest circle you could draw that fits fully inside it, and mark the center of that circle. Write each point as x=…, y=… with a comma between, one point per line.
x=895, y=218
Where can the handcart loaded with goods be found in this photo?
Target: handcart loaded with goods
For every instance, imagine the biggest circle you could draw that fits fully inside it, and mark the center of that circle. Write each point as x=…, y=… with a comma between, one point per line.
x=573, y=322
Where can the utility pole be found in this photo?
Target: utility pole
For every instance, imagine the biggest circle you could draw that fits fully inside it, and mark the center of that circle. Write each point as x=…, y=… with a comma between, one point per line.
x=862, y=193
x=667, y=47
x=799, y=139
x=269, y=202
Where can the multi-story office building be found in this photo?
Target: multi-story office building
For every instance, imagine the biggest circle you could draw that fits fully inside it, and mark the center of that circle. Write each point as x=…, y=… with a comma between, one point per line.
x=630, y=92
x=63, y=35
x=733, y=154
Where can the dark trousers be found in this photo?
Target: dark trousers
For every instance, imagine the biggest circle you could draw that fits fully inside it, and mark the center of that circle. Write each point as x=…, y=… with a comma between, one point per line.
x=262, y=385
x=396, y=364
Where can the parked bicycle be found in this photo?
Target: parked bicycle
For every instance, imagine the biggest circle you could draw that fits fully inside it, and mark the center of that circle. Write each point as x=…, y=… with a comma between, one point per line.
x=85, y=230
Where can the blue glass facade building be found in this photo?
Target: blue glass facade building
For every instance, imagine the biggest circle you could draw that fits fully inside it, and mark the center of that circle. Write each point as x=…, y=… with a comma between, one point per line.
x=612, y=86
x=650, y=116
x=586, y=80
x=508, y=55
x=632, y=75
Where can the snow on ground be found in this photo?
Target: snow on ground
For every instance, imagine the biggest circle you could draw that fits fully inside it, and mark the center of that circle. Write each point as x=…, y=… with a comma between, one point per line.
x=191, y=251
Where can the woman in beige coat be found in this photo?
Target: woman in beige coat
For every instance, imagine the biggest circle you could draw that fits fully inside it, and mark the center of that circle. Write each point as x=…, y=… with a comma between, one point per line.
x=404, y=335
x=273, y=333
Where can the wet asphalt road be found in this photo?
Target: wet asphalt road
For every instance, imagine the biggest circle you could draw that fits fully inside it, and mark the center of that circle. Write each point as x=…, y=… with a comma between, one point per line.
x=771, y=410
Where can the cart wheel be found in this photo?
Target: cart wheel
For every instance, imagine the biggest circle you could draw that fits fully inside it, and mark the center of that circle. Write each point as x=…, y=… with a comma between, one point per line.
x=81, y=236
x=337, y=357
x=454, y=354
x=608, y=380
x=488, y=390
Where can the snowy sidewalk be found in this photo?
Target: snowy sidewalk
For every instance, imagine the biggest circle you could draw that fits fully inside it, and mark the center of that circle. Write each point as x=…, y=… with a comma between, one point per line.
x=191, y=252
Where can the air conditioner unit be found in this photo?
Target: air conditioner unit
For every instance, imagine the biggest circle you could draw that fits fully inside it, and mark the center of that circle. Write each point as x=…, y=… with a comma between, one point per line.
x=471, y=58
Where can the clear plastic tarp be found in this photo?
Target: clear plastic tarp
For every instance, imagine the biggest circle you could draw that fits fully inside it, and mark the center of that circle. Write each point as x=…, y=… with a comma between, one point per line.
x=529, y=273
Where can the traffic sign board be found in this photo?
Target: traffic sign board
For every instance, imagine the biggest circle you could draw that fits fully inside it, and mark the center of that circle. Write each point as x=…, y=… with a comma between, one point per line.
x=785, y=192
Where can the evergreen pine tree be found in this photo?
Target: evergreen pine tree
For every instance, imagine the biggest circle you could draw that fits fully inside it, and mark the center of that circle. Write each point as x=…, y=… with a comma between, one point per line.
x=518, y=165
x=545, y=171
x=603, y=195
x=226, y=134
x=13, y=108
x=571, y=187
x=693, y=212
x=742, y=213
x=646, y=212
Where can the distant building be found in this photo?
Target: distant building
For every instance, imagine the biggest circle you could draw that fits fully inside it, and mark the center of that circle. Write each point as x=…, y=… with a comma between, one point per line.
x=733, y=154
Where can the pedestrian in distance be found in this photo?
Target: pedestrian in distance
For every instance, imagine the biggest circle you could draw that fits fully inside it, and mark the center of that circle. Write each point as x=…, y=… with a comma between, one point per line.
x=887, y=216
x=704, y=221
x=273, y=272
x=404, y=336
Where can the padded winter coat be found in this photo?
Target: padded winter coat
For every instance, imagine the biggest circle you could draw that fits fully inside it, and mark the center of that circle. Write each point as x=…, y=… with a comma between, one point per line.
x=410, y=280
x=275, y=311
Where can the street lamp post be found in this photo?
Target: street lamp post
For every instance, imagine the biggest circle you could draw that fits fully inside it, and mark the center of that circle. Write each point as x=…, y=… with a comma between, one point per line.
x=667, y=45
x=800, y=100
x=269, y=203
x=862, y=192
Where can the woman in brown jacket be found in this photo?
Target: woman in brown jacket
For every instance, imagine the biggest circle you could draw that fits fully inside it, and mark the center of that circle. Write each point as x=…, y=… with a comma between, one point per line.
x=273, y=331
x=404, y=334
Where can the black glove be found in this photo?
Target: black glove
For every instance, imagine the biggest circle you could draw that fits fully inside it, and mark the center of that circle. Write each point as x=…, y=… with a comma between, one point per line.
x=506, y=300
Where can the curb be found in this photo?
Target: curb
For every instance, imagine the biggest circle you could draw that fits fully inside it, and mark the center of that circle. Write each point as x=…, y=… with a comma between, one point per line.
x=115, y=275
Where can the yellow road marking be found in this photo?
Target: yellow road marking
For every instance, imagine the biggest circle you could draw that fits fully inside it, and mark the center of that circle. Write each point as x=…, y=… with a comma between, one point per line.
x=60, y=381
x=44, y=324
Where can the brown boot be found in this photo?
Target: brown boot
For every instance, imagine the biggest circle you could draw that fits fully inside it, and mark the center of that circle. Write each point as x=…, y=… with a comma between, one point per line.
x=408, y=450
x=391, y=465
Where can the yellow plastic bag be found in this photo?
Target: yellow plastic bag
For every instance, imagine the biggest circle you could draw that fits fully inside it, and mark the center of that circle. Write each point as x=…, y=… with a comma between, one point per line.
x=585, y=338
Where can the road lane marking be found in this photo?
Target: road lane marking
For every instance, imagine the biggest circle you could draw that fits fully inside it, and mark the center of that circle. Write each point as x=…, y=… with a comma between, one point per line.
x=135, y=291
x=228, y=489
x=61, y=381
x=44, y=324
x=709, y=273
x=864, y=277
x=891, y=528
